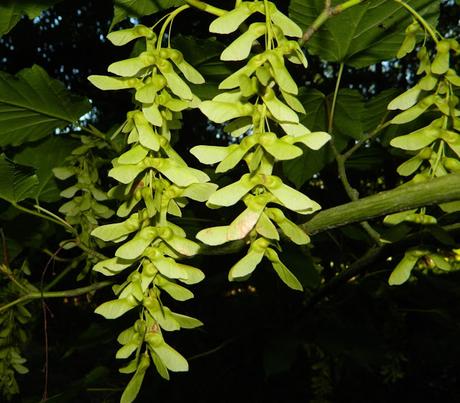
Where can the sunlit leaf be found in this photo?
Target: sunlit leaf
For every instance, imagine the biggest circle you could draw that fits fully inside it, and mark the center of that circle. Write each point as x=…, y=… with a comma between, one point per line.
x=293, y=199
x=211, y=154
x=266, y=228
x=113, y=83
x=246, y=265
x=281, y=150
x=199, y=191
x=111, y=232
x=244, y=223
x=124, y=36
x=283, y=272
x=418, y=139
x=239, y=49
x=129, y=67
x=113, y=266
x=281, y=74
x=147, y=137
x=136, y=246
x=134, y=385
x=213, y=235
x=231, y=20
x=187, y=322
x=289, y=27
x=115, y=308
x=171, y=358
x=314, y=140
x=175, y=83
x=180, y=175
x=406, y=99
x=220, y=112
x=126, y=173
x=279, y=110
x=133, y=156
x=176, y=291
x=229, y=195
x=402, y=271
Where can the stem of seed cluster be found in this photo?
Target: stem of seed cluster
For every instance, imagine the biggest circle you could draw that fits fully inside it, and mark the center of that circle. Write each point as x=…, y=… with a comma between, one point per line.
x=269, y=35
x=420, y=19
x=334, y=98
x=51, y=217
x=169, y=20
x=201, y=5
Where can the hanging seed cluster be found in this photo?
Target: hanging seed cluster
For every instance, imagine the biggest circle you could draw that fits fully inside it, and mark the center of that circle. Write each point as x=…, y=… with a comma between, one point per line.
x=84, y=209
x=13, y=335
x=259, y=100
x=436, y=146
x=154, y=183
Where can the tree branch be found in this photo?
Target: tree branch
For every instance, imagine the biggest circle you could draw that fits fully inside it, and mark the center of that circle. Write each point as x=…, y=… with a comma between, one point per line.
x=56, y=294
x=405, y=197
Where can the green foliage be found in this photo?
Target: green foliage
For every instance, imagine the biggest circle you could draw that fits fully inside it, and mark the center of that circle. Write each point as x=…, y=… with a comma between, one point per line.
x=32, y=105
x=434, y=93
x=11, y=11
x=13, y=335
x=139, y=8
x=17, y=182
x=43, y=156
x=362, y=35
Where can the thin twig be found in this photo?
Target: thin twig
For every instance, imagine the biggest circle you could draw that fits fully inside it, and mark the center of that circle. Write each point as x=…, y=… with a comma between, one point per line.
x=328, y=12
x=56, y=294
x=370, y=136
x=213, y=350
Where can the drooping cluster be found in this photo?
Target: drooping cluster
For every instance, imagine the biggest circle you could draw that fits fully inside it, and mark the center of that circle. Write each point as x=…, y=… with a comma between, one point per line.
x=259, y=101
x=13, y=336
x=436, y=146
x=154, y=182
x=84, y=209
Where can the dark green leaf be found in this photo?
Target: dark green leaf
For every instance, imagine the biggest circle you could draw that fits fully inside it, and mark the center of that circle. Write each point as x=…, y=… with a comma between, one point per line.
x=139, y=8
x=366, y=159
x=11, y=11
x=134, y=385
x=44, y=156
x=362, y=35
x=349, y=110
x=376, y=109
x=299, y=170
x=17, y=182
x=32, y=105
